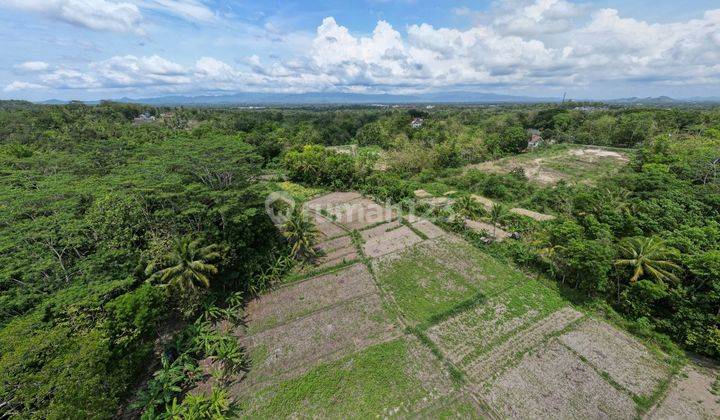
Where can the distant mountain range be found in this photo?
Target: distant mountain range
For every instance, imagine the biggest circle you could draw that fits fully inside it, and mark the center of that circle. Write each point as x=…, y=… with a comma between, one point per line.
x=339, y=98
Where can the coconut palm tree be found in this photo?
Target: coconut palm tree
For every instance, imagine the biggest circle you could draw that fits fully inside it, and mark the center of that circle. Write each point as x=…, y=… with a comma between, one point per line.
x=497, y=212
x=301, y=232
x=187, y=266
x=647, y=256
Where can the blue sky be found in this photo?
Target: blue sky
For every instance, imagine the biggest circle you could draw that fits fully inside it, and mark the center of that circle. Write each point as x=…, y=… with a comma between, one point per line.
x=92, y=49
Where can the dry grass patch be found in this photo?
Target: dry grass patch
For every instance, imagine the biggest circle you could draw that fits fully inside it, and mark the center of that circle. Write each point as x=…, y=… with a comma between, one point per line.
x=623, y=358
x=327, y=335
x=555, y=383
x=299, y=299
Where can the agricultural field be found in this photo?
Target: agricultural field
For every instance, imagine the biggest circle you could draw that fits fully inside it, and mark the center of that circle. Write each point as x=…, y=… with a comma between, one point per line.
x=434, y=327
x=565, y=162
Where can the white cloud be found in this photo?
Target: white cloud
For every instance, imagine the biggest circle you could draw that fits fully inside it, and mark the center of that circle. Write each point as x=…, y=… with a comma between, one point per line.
x=192, y=10
x=20, y=86
x=33, y=66
x=605, y=47
x=113, y=15
x=534, y=17
x=93, y=14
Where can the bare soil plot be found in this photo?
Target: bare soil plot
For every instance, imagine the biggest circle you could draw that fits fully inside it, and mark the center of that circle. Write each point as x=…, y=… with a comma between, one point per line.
x=326, y=227
x=362, y=213
x=486, y=202
x=428, y=229
x=300, y=299
x=326, y=335
x=469, y=334
x=422, y=194
x=337, y=257
x=691, y=396
x=438, y=201
x=532, y=214
x=459, y=405
x=333, y=244
x=571, y=163
x=624, y=358
x=390, y=241
x=328, y=201
x=379, y=230
x=393, y=379
x=487, y=228
x=492, y=362
x=433, y=276
x=554, y=383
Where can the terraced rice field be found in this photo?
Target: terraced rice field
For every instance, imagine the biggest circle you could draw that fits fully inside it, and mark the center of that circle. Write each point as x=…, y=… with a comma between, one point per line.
x=484, y=340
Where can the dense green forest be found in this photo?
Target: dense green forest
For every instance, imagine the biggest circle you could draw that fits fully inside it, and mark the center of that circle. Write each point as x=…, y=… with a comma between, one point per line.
x=122, y=245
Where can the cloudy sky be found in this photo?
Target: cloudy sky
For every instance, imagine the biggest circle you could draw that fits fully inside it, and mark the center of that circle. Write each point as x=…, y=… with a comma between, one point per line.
x=91, y=49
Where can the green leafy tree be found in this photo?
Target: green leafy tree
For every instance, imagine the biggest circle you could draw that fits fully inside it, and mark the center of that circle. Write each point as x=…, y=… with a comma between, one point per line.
x=647, y=257
x=188, y=265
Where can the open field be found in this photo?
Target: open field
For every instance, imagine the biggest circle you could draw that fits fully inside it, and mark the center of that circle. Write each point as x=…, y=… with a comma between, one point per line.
x=485, y=340
x=473, y=332
x=571, y=163
x=390, y=379
x=432, y=277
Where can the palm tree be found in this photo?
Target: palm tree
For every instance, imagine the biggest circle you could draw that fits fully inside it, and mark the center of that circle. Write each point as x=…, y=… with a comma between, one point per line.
x=647, y=256
x=301, y=232
x=187, y=265
x=497, y=212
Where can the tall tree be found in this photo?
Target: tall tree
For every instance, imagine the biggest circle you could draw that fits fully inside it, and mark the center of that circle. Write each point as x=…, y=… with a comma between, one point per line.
x=301, y=232
x=497, y=212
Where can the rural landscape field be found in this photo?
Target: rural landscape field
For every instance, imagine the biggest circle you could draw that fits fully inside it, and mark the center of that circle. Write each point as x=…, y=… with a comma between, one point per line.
x=210, y=263
x=326, y=209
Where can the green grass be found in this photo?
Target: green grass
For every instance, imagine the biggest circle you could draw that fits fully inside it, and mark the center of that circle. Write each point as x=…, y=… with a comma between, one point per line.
x=366, y=384
x=425, y=286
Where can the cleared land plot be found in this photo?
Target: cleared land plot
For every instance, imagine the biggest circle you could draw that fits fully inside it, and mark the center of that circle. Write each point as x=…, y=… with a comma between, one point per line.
x=328, y=201
x=571, y=163
x=395, y=378
x=490, y=363
x=325, y=335
x=474, y=332
x=380, y=230
x=487, y=228
x=333, y=244
x=428, y=229
x=691, y=396
x=390, y=241
x=625, y=359
x=433, y=276
x=326, y=227
x=361, y=213
x=554, y=383
x=299, y=299
x=337, y=256
x=540, y=217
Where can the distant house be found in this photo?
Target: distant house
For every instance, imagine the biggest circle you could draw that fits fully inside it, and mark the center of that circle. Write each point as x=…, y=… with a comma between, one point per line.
x=416, y=123
x=143, y=118
x=535, y=139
